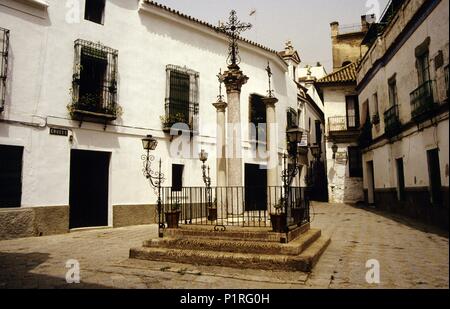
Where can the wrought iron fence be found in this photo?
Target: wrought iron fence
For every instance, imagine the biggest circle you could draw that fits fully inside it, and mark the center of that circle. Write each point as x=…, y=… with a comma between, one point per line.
x=422, y=100
x=236, y=206
x=4, y=48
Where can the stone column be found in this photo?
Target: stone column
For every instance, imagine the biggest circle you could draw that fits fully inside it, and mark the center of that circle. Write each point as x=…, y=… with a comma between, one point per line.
x=221, y=144
x=272, y=141
x=221, y=162
x=234, y=79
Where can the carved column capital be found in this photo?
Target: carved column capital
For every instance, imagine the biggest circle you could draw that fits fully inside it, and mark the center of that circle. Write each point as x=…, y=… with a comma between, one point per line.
x=220, y=106
x=234, y=79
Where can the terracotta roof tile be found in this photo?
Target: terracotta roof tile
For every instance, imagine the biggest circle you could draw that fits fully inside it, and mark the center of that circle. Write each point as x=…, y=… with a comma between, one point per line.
x=201, y=22
x=346, y=74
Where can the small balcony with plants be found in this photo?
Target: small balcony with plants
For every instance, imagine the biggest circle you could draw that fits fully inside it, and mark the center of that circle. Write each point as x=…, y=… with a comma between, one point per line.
x=422, y=101
x=179, y=117
x=392, y=121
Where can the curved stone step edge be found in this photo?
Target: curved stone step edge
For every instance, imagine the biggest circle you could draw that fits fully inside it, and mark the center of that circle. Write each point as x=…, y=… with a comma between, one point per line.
x=240, y=246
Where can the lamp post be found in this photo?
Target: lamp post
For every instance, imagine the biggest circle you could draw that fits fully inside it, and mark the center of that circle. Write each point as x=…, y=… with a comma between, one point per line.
x=149, y=143
x=334, y=148
x=206, y=174
x=294, y=137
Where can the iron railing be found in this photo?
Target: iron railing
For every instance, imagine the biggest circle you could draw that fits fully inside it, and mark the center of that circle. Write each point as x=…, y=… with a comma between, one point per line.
x=236, y=206
x=342, y=123
x=422, y=100
x=392, y=121
x=4, y=48
x=94, y=83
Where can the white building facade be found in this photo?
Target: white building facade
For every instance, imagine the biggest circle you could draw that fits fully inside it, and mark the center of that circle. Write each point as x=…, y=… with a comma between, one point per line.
x=403, y=94
x=144, y=56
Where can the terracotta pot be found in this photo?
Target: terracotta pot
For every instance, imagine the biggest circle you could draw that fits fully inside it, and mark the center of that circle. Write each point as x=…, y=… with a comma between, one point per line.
x=172, y=219
x=212, y=214
x=298, y=214
x=279, y=223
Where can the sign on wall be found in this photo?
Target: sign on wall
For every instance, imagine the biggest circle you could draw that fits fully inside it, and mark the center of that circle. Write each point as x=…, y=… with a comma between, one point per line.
x=59, y=132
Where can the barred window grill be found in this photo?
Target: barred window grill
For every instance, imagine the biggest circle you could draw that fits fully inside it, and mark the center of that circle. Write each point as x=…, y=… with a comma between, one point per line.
x=4, y=48
x=95, y=78
x=182, y=103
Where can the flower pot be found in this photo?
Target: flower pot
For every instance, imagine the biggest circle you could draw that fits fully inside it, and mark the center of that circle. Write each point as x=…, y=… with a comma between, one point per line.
x=298, y=214
x=279, y=223
x=212, y=214
x=172, y=219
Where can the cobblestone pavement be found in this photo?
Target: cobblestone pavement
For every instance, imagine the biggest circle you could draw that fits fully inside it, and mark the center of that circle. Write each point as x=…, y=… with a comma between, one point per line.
x=410, y=255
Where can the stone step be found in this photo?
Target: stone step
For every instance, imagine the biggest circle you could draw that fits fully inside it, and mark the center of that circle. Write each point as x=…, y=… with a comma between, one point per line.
x=235, y=233
x=294, y=247
x=302, y=262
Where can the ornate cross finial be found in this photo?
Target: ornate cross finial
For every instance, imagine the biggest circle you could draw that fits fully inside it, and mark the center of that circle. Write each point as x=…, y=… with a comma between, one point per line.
x=220, y=96
x=233, y=28
x=269, y=74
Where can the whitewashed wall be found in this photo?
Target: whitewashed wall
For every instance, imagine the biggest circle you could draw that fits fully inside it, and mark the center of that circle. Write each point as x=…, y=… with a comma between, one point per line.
x=40, y=76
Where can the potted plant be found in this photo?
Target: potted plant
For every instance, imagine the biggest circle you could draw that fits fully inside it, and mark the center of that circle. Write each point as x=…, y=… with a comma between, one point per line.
x=168, y=121
x=278, y=219
x=298, y=213
x=212, y=211
x=173, y=216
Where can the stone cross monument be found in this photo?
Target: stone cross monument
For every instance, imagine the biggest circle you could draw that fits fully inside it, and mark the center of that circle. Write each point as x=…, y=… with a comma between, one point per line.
x=234, y=79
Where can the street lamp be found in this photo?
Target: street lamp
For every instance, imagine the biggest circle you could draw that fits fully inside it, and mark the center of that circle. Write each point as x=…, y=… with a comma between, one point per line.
x=149, y=143
x=205, y=169
x=334, y=148
x=315, y=151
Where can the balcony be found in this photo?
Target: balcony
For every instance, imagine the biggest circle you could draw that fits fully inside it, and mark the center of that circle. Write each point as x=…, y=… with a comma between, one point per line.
x=422, y=101
x=343, y=129
x=366, y=138
x=392, y=121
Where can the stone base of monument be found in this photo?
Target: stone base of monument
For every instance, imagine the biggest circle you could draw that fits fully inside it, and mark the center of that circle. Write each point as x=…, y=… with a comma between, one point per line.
x=253, y=248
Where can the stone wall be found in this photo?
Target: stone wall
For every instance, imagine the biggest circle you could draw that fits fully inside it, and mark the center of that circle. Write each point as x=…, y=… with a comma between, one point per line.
x=128, y=215
x=36, y=221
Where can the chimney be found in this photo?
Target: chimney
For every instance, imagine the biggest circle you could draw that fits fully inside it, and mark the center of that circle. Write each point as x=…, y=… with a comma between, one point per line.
x=334, y=28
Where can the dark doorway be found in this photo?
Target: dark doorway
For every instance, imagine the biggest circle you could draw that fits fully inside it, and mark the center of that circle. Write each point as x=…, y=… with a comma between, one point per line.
x=89, y=178
x=370, y=183
x=255, y=187
x=10, y=176
x=400, y=180
x=177, y=177
x=434, y=173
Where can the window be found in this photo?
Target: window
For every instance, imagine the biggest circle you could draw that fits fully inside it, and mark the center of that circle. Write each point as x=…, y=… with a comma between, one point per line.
x=257, y=119
x=177, y=177
x=318, y=132
x=352, y=111
x=392, y=83
x=434, y=174
x=292, y=118
x=4, y=48
x=423, y=68
x=355, y=162
x=375, y=104
x=94, y=79
x=181, y=97
x=95, y=11
x=10, y=176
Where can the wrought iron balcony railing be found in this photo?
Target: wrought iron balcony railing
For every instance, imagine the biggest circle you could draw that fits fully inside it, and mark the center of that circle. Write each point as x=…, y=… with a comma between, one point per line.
x=392, y=121
x=422, y=100
x=343, y=123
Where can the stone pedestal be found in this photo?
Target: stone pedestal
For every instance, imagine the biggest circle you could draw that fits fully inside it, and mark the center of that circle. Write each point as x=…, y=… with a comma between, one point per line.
x=234, y=79
x=272, y=141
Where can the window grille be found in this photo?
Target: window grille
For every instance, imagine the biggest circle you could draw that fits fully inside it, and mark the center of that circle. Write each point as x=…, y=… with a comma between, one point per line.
x=4, y=48
x=182, y=98
x=95, y=78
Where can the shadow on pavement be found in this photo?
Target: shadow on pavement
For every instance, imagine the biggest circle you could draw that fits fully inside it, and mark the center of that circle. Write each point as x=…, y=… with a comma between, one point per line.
x=16, y=273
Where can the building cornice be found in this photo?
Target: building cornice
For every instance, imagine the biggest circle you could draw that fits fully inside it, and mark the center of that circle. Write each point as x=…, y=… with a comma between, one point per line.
x=419, y=17
x=163, y=11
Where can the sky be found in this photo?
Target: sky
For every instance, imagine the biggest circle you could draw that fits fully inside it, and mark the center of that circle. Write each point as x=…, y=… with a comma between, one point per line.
x=305, y=22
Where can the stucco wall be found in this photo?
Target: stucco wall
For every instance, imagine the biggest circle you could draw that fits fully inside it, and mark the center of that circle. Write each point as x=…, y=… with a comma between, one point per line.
x=40, y=77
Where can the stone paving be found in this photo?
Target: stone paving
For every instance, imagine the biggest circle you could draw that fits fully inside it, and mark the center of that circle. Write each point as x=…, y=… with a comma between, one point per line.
x=411, y=255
